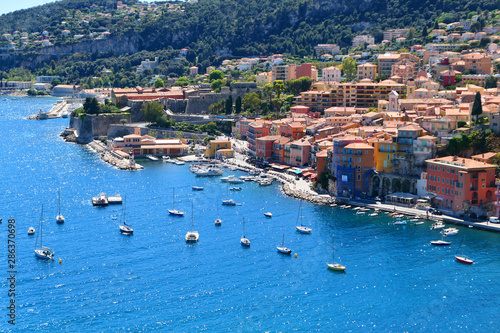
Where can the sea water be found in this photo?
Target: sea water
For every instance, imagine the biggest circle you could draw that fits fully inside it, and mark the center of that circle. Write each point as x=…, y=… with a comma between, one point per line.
x=153, y=281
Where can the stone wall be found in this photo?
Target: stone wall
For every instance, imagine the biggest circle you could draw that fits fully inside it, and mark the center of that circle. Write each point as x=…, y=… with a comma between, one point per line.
x=118, y=130
x=92, y=126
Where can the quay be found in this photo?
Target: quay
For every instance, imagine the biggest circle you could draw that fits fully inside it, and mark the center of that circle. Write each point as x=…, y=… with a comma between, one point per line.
x=113, y=158
x=62, y=109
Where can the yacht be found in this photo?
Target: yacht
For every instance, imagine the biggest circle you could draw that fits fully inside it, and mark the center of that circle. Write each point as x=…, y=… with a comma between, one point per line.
x=268, y=214
x=301, y=228
x=43, y=252
x=31, y=231
x=192, y=236
x=60, y=217
x=335, y=266
x=450, y=231
x=437, y=225
x=125, y=228
x=100, y=200
x=282, y=248
x=229, y=202
x=174, y=211
x=244, y=241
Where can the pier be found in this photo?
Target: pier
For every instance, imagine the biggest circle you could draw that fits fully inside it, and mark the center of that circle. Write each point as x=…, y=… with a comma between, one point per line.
x=113, y=158
x=62, y=109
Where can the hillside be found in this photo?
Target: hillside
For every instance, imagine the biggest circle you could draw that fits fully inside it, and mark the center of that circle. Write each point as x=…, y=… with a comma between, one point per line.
x=99, y=29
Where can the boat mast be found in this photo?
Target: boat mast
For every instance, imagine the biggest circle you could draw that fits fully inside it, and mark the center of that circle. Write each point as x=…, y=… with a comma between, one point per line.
x=124, y=210
x=59, y=201
x=333, y=249
x=192, y=216
x=283, y=243
x=173, y=198
x=41, y=228
x=243, y=227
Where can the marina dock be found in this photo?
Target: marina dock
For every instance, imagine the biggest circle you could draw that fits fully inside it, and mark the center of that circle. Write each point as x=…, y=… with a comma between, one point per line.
x=62, y=109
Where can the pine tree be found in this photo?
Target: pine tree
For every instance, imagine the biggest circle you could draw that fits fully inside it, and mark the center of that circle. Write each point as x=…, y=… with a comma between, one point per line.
x=237, y=105
x=477, y=108
x=229, y=105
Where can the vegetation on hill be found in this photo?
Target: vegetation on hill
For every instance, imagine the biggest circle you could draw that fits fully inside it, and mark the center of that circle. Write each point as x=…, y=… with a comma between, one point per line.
x=212, y=30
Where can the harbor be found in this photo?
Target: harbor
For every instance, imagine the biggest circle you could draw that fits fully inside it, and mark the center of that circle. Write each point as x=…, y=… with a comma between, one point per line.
x=155, y=266
x=61, y=109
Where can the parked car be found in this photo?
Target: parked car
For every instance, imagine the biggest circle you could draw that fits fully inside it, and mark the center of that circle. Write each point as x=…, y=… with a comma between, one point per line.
x=494, y=219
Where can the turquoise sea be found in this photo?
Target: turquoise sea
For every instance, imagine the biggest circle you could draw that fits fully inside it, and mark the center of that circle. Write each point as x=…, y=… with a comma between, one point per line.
x=153, y=281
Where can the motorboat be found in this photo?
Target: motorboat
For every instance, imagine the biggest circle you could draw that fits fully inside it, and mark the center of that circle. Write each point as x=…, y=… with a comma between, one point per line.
x=152, y=157
x=400, y=222
x=192, y=236
x=234, y=188
x=100, y=200
x=197, y=188
x=229, y=202
x=268, y=214
x=208, y=172
x=449, y=231
x=235, y=181
x=359, y=212
x=437, y=225
x=218, y=222
x=373, y=214
x=226, y=179
x=419, y=223
x=43, y=252
x=178, y=162
x=335, y=266
x=282, y=248
x=265, y=182
x=440, y=243
x=31, y=231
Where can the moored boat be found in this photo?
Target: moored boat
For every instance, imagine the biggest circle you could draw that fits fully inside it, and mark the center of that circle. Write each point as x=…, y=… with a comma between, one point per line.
x=282, y=248
x=174, y=211
x=100, y=200
x=192, y=236
x=197, y=188
x=335, y=266
x=43, y=252
x=31, y=231
x=268, y=214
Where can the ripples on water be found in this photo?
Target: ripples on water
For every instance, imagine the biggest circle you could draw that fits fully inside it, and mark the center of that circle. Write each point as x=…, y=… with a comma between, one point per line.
x=153, y=281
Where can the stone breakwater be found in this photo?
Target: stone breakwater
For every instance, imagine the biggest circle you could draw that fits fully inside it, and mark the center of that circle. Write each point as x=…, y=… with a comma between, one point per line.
x=113, y=158
x=303, y=195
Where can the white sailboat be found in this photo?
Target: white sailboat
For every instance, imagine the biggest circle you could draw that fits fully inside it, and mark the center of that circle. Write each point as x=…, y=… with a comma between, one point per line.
x=300, y=228
x=282, y=248
x=125, y=228
x=334, y=266
x=192, y=236
x=43, y=252
x=218, y=221
x=244, y=241
x=60, y=217
x=174, y=211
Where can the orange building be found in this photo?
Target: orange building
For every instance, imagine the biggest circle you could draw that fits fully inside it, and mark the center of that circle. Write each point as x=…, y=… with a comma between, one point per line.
x=477, y=63
x=294, y=130
x=459, y=183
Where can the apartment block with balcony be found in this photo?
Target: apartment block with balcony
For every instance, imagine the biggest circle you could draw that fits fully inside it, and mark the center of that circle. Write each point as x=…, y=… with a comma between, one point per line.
x=300, y=152
x=284, y=72
x=331, y=74
x=459, y=183
x=264, y=147
x=257, y=129
x=477, y=63
x=367, y=71
x=354, y=170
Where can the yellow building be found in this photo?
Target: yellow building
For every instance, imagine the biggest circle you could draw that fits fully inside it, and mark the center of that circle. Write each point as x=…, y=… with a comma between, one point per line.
x=384, y=154
x=367, y=71
x=215, y=145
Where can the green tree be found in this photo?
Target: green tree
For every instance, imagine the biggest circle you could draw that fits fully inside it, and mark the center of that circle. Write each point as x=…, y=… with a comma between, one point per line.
x=490, y=82
x=349, y=68
x=159, y=83
x=477, y=107
x=424, y=31
x=152, y=111
x=237, y=105
x=229, y=105
x=299, y=85
x=215, y=86
x=91, y=106
x=278, y=87
x=215, y=75
x=411, y=33
x=251, y=102
x=454, y=146
x=268, y=91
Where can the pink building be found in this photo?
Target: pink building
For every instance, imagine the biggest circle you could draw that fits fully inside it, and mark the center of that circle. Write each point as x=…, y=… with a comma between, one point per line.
x=265, y=145
x=300, y=152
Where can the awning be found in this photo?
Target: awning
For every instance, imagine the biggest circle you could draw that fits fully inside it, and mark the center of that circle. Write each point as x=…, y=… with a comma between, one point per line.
x=298, y=172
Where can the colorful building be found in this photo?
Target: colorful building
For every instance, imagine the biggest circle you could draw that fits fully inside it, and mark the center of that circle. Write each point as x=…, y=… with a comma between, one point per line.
x=300, y=152
x=215, y=145
x=384, y=153
x=354, y=170
x=459, y=183
x=257, y=129
x=264, y=147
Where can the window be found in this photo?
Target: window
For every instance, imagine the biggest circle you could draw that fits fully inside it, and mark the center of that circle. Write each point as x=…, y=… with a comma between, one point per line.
x=359, y=159
x=388, y=157
x=359, y=168
x=438, y=189
x=439, y=179
x=359, y=177
x=385, y=163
